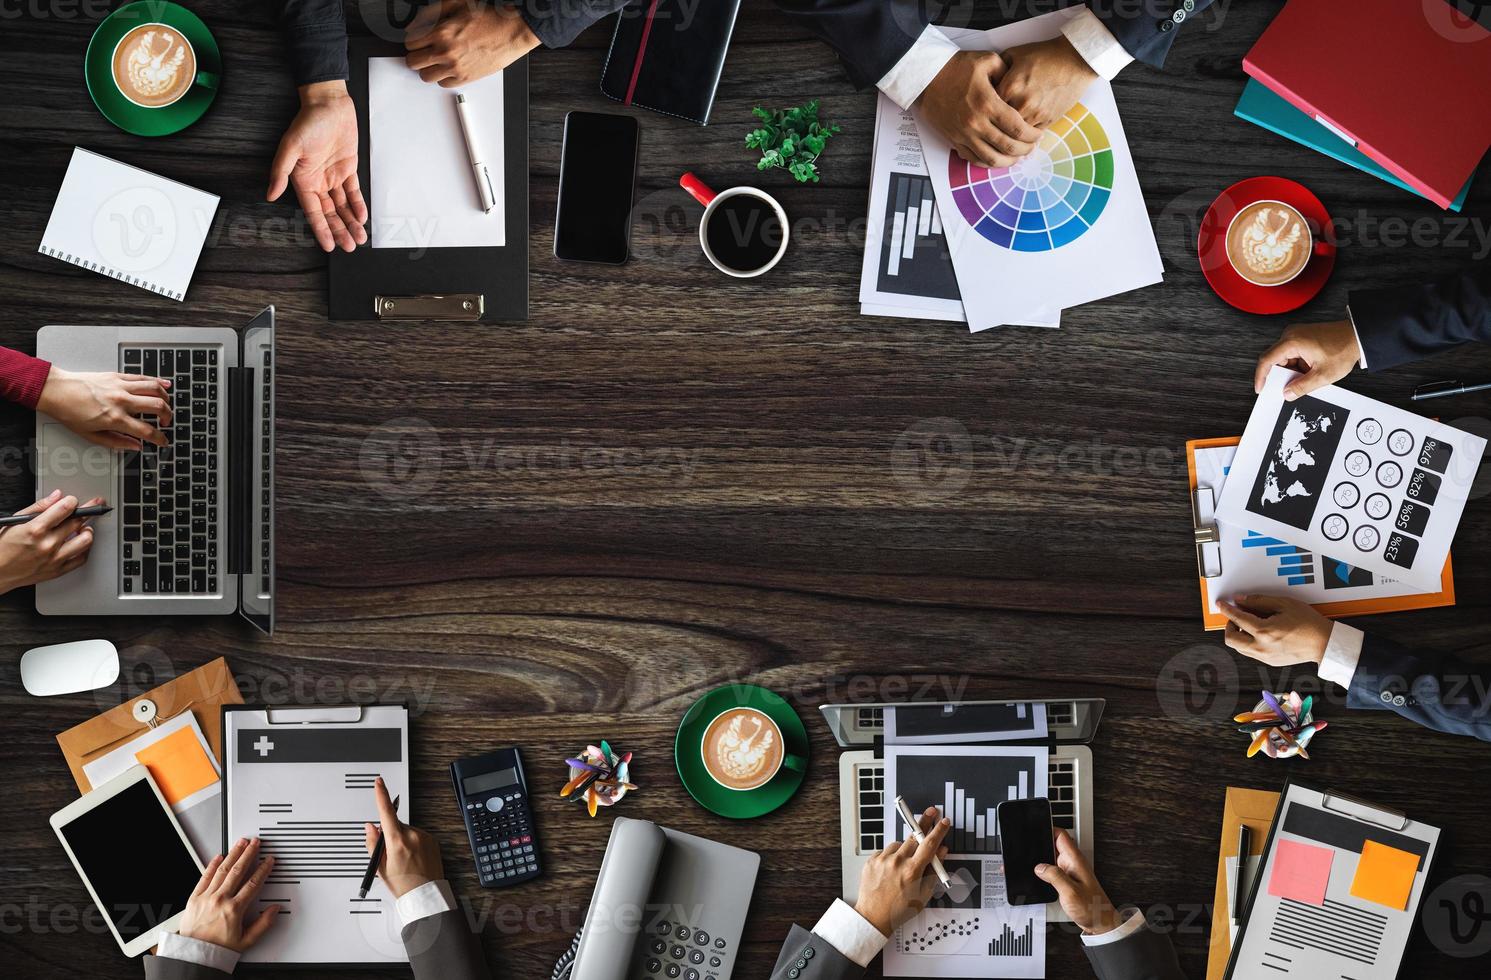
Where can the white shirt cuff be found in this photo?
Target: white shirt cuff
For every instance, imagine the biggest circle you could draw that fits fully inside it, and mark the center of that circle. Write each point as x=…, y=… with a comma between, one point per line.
x=173, y=946
x=1132, y=923
x=1342, y=652
x=1362, y=360
x=1096, y=44
x=850, y=933
x=910, y=76
x=431, y=898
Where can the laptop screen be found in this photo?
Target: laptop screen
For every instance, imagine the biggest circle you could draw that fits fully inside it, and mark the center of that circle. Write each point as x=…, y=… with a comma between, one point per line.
x=965, y=722
x=256, y=585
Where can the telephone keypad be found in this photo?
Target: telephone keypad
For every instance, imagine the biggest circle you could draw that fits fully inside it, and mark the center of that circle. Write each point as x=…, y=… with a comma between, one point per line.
x=679, y=952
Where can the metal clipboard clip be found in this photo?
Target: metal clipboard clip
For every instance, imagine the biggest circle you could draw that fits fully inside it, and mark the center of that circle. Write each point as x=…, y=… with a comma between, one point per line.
x=342, y=714
x=1208, y=538
x=1366, y=812
x=450, y=306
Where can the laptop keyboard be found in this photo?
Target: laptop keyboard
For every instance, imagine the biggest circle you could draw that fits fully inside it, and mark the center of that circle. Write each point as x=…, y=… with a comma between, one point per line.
x=1062, y=791
x=169, y=521
x=266, y=476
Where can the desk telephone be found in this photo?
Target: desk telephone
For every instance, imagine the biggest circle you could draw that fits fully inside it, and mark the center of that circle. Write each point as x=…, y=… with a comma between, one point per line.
x=666, y=906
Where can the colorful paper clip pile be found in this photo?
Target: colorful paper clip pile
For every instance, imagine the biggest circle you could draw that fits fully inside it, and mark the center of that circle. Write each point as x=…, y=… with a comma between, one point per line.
x=1281, y=725
x=598, y=776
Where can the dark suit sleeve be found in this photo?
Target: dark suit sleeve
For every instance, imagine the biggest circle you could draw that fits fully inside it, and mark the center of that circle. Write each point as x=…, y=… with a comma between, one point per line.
x=806, y=956
x=1405, y=323
x=558, y=24
x=1145, y=954
x=315, y=38
x=444, y=947
x=165, y=968
x=1437, y=690
x=1147, y=28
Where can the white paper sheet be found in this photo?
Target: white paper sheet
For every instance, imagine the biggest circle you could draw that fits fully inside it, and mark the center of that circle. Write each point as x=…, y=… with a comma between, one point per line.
x=128, y=224
x=982, y=935
x=424, y=192
x=1256, y=563
x=305, y=789
x=1335, y=472
x=1101, y=243
x=200, y=814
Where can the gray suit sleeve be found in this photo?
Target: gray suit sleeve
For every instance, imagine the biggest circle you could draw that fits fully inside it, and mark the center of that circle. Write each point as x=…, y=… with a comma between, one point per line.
x=1144, y=955
x=806, y=956
x=165, y=968
x=443, y=947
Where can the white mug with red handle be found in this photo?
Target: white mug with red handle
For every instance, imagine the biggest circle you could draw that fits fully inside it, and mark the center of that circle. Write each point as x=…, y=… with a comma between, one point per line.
x=744, y=230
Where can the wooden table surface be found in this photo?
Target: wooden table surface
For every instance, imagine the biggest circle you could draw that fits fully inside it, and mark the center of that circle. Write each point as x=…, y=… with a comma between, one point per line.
x=548, y=532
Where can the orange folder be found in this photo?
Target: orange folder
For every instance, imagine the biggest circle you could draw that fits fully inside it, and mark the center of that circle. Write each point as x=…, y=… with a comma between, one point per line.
x=1335, y=610
x=1255, y=808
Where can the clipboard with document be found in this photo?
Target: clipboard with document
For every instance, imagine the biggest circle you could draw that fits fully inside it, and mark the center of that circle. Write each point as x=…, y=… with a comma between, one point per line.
x=301, y=780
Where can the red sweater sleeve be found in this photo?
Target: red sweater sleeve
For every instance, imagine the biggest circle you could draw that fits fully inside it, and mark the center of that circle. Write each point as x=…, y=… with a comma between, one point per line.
x=22, y=377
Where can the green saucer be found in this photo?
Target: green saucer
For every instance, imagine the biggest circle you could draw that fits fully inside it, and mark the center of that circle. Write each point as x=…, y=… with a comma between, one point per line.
x=98, y=69
x=739, y=804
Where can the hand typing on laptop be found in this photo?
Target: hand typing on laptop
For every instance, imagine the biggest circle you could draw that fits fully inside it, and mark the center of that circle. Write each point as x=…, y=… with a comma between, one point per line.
x=102, y=407
x=51, y=545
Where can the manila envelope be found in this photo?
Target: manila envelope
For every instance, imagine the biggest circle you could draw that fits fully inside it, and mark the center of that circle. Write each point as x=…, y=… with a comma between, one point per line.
x=203, y=692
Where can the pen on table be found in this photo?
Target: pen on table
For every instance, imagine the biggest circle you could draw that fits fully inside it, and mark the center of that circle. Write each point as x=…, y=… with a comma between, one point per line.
x=1440, y=389
x=367, y=876
x=916, y=831
x=473, y=149
x=1244, y=845
x=98, y=510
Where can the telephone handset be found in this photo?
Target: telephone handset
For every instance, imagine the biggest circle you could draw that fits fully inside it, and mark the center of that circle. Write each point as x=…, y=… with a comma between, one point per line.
x=666, y=904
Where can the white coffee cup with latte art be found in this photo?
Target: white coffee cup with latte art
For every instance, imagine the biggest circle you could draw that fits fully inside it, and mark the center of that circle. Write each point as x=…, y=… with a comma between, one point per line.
x=1269, y=243
x=742, y=749
x=154, y=66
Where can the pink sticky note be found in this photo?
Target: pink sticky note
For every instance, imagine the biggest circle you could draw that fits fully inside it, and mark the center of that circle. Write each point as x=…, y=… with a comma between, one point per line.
x=1301, y=872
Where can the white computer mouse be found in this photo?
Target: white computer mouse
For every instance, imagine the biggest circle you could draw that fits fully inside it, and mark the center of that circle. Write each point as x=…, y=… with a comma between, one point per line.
x=67, y=668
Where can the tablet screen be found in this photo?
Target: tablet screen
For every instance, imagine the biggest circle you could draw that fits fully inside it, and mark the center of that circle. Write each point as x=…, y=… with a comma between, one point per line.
x=137, y=863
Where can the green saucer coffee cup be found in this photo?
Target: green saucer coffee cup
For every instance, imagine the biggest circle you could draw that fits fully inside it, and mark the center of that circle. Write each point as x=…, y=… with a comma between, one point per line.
x=152, y=68
x=741, y=751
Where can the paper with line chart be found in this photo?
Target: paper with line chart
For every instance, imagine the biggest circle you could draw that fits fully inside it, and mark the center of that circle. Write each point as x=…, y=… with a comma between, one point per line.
x=971, y=930
x=301, y=780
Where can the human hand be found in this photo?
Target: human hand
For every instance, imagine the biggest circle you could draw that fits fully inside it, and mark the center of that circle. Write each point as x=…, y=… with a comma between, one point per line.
x=47, y=546
x=962, y=104
x=1276, y=631
x=318, y=157
x=1045, y=79
x=895, y=884
x=1077, y=888
x=102, y=407
x=410, y=857
x=456, y=42
x=221, y=909
x=1326, y=352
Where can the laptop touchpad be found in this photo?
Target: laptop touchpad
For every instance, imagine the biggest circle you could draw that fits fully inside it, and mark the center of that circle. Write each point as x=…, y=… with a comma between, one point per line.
x=66, y=462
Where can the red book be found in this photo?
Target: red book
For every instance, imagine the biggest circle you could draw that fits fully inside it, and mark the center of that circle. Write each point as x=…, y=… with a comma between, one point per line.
x=1407, y=81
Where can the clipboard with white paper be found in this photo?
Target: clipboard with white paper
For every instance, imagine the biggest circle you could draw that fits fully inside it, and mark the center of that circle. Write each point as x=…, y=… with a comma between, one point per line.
x=301, y=780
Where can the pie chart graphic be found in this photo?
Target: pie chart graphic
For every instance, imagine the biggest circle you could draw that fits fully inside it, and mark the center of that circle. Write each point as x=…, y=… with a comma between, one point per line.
x=1047, y=199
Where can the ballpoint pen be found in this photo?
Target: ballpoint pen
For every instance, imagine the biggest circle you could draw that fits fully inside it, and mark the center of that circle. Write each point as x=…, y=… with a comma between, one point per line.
x=1440, y=389
x=916, y=831
x=1244, y=846
x=473, y=149
x=98, y=510
x=373, y=861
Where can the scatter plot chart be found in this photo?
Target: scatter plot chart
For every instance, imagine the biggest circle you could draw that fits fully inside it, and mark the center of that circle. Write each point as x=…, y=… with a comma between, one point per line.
x=1047, y=199
x=937, y=937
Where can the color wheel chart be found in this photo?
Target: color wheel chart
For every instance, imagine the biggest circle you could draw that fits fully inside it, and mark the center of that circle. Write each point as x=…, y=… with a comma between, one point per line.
x=1049, y=198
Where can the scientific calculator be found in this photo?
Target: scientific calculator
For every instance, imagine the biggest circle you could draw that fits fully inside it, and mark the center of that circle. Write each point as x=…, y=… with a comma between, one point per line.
x=493, y=797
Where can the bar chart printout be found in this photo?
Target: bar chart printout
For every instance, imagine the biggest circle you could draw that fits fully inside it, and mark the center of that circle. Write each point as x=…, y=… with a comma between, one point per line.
x=967, y=783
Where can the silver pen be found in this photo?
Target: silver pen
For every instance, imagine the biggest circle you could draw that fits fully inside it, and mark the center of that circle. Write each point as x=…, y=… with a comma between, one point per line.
x=473, y=150
x=916, y=831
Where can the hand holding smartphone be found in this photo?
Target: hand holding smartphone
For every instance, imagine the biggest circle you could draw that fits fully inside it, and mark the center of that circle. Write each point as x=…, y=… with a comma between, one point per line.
x=1027, y=839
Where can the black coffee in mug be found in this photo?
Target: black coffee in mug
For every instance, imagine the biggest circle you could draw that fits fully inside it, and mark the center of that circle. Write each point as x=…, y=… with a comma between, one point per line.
x=744, y=232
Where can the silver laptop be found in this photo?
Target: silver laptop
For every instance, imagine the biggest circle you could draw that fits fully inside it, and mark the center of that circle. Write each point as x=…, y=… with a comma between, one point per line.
x=192, y=530
x=1069, y=725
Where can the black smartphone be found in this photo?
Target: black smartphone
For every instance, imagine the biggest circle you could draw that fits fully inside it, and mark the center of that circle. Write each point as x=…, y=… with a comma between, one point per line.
x=1026, y=839
x=597, y=177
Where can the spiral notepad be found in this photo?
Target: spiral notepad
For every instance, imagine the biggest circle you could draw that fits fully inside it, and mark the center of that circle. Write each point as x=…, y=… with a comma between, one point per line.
x=129, y=224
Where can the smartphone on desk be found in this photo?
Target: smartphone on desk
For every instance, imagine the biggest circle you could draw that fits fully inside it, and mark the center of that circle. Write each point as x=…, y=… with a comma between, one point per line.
x=1026, y=840
x=597, y=178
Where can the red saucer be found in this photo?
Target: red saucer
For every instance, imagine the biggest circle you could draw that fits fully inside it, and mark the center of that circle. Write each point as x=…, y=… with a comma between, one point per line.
x=1233, y=288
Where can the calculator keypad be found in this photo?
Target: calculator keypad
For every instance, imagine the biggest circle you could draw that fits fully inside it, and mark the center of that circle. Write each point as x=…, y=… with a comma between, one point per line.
x=502, y=839
x=678, y=952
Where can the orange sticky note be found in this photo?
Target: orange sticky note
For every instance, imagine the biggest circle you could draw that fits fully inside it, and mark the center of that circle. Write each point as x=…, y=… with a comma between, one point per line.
x=1385, y=875
x=179, y=764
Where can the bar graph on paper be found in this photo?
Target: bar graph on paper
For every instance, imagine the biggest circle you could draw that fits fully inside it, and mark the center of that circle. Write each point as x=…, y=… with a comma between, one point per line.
x=966, y=783
x=914, y=259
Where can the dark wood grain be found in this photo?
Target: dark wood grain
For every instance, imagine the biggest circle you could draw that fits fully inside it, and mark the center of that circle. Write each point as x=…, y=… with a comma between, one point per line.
x=666, y=480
